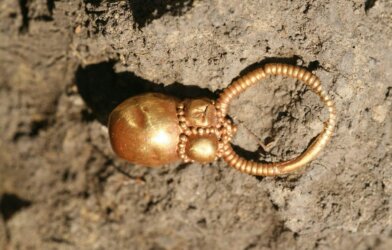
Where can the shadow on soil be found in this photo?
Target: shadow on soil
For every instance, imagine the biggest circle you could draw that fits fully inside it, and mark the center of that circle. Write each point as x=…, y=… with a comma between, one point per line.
x=103, y=89
x=145, y=12
x=11, y=204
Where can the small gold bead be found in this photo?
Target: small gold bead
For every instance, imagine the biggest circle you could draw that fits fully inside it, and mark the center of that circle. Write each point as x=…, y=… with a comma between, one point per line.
x=295, y=72
x=202, y=149
x=183, y=125
x=316, y=83
x=329, y=103
x=194, y=131
x=311, y=80
x=306, y=76
x=248, y=168
x=278, y=69
x=301, y=73
x=274, y=69
x=290, y=69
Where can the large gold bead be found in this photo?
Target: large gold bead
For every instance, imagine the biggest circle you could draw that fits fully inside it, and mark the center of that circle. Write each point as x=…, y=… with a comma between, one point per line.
x=144, y=129
x=202, y=149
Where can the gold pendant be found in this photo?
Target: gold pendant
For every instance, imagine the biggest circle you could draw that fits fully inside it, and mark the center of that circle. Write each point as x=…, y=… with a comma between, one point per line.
x=155, y=129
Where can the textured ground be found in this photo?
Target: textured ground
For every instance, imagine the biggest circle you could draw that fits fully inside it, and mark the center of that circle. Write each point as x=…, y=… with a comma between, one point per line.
x=64, y=65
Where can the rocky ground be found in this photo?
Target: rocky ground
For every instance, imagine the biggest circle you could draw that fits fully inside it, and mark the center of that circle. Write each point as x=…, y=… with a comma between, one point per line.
x=64, y=65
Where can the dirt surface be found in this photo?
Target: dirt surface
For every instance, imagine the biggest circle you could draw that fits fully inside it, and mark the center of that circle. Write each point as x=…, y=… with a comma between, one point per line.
x=65, y=65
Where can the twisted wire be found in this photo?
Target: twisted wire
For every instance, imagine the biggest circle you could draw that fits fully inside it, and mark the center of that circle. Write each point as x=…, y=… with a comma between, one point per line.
x=284, y=167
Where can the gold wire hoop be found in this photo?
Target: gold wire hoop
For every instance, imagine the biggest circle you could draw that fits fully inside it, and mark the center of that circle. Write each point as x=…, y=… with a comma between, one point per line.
x=284, y=167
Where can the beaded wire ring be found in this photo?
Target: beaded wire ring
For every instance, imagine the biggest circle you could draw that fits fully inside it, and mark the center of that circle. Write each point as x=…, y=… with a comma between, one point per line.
x=155, y=129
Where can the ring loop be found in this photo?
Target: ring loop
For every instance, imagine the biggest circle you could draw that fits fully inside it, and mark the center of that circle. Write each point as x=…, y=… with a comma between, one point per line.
x=284, y=167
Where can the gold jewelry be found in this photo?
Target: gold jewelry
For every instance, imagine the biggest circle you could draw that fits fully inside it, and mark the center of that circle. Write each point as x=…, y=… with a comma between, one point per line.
x=155, y=129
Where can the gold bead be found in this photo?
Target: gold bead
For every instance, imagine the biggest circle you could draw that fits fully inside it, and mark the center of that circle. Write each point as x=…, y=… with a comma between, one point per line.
x=200, y=113
x=183, y=137
x=144, y=129
x=202, y=149
x=200, y=131
x=183, y=125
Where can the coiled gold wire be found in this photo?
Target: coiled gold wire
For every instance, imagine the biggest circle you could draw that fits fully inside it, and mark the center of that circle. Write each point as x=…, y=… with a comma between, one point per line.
x=278, y=168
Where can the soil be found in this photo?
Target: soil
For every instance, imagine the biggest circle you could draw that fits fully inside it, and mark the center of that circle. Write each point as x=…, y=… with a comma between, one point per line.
x=65, y=65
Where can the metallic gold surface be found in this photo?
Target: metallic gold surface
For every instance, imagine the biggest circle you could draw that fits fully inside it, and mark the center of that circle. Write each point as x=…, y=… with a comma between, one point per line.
x=200, y=113
x=155, y=129
x=202, y=149
x=144, y=129
x=284, y=167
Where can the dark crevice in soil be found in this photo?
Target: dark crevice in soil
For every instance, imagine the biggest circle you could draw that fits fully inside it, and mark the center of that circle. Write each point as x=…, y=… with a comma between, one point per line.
x=95, y=3
x=278, y=230
x=44, y=18
x=110, y=163
x=24, y=9
x=202, y=223
x=254, y=156
x=307, y=7
x=11, y=204
x=87, y=116
x=369, y=4
x=145, y=12
x=37, y=126
x=59, y=240
x=150, y=206
x=93, y=7
x=50, y=5
x=251, y=246
x=181, y=167
x=67, y=175
x=313, y=65
x=274, y=205
x=103, y=89
x=259, y=178
x=17, y=136
x=388, y=93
